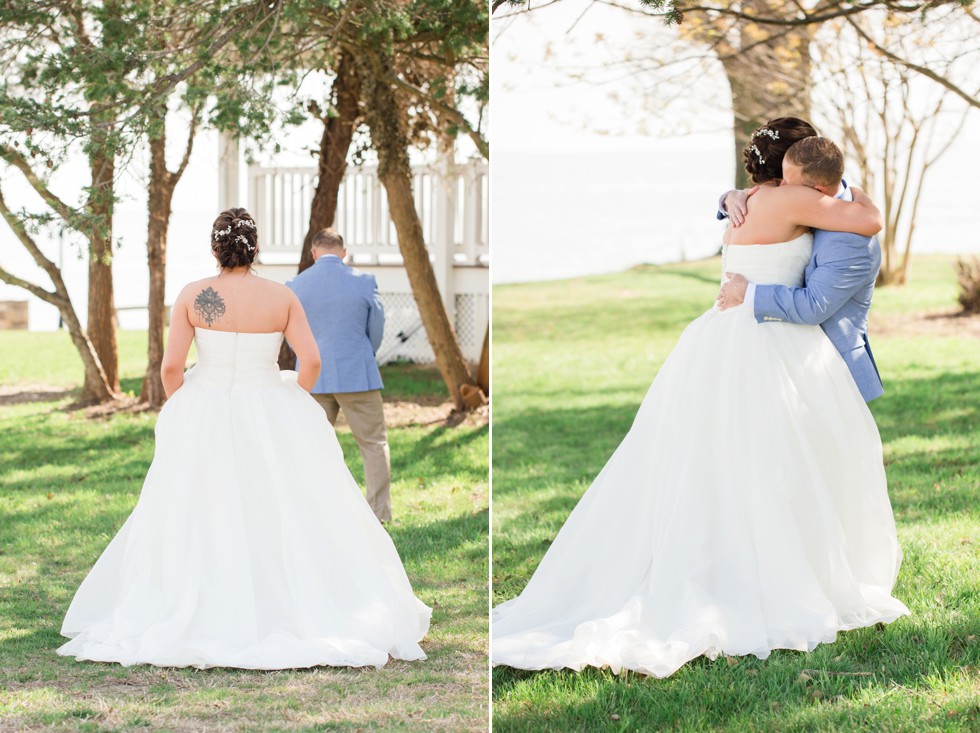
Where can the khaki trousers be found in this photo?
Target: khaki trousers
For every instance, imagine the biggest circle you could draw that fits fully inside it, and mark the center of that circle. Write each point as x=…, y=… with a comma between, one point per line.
x=365, y=415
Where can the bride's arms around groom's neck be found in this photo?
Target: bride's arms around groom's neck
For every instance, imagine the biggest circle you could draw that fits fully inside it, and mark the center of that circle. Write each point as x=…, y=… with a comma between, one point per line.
x=301, y=341
x=811, y=208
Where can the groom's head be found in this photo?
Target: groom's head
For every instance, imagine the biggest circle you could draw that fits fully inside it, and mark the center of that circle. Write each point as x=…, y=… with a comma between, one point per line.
x=328, y=242
x=815, y=162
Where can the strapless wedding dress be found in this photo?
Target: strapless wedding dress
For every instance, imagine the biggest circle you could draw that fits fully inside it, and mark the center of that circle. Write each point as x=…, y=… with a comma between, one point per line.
x=745, y=511
x=251, y=545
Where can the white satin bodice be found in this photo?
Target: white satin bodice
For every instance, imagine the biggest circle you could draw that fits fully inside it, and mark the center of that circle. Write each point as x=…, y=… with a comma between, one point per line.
x=231, y=357
x=769, y=264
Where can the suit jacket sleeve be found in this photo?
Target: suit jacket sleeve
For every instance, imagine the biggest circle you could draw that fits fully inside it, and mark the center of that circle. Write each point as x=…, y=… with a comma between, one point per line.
x=845, y=269
x=721, y=213
x=376, y=317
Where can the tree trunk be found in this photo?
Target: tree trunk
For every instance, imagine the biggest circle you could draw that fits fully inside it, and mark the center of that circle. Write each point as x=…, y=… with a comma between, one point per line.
x=159, y=206
x=483, y=371
x=769, y=78
x=160, y=197
x=101, y=303
x=390, y=139
x=338, y=131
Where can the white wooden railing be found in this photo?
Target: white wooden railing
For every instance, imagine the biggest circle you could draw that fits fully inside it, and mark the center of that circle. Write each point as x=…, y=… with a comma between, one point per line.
x=453, y=205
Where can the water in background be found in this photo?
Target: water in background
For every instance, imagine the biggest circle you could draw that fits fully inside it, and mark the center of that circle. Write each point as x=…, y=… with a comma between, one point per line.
x=557, y=215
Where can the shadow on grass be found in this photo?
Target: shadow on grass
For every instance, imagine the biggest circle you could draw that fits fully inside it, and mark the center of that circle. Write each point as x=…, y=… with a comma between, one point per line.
x=753, y=694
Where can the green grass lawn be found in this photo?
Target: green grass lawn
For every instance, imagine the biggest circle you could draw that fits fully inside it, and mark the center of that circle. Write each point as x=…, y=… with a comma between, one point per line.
x=66, y=485
x=572, y=361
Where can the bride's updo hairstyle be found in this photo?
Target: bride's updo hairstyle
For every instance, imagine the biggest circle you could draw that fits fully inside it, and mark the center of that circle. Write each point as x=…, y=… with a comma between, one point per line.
x=763, y=154
x=235, y=239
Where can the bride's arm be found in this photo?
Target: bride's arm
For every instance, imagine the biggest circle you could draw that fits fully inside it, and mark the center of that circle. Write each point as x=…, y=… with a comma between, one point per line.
x=301, y=341
x=178, y=344
x=811, y=208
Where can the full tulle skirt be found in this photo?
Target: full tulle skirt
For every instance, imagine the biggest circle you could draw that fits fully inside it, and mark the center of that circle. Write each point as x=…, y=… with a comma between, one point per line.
x=745, y=511
x=251, y=546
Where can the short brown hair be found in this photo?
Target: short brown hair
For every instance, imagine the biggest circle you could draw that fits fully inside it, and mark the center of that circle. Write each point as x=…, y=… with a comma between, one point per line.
x=821, y=162
x=327, y=239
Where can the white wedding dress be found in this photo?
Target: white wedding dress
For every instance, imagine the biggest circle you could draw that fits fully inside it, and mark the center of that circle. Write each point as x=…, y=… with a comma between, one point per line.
x=251, y=545
x=745, y=511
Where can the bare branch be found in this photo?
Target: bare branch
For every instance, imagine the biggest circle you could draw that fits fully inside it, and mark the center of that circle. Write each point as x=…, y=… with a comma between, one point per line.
x=972, y=100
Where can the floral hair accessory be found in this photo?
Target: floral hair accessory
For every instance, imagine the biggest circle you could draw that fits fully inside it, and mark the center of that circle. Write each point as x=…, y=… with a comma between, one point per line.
x=244, y=240
x=245, y=223
x=754, y=149
x=220, y=233
x=774, y=134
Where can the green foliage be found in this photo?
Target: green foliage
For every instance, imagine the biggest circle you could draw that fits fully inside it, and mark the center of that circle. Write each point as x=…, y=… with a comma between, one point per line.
x=572, y=361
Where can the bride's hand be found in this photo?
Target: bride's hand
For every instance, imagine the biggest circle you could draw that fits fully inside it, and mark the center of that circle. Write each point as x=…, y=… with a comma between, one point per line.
x=737, y=204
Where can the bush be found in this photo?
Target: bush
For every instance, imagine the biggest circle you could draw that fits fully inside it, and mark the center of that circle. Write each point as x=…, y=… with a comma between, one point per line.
x=968, y=275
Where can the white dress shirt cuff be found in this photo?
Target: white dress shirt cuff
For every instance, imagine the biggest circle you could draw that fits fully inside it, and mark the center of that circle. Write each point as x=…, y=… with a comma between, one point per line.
x=750, y=296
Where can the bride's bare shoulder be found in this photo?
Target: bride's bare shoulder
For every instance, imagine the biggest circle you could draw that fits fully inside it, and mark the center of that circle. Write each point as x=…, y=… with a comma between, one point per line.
x=272, y=287
x=194, y=287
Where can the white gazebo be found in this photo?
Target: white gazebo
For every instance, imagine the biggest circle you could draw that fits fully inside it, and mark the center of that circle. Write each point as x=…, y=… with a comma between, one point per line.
x=453, y=204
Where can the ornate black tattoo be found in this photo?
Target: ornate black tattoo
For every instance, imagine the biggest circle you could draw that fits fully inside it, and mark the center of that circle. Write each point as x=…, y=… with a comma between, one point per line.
x=209, y=306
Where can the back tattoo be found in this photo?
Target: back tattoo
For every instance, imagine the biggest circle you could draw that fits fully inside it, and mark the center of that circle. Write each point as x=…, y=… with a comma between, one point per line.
x=209, y=306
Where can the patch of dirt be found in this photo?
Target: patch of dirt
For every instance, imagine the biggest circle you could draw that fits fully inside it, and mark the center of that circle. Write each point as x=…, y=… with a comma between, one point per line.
x=402, y=414
x=398, y=413
x=949, y=323
x=23, y=393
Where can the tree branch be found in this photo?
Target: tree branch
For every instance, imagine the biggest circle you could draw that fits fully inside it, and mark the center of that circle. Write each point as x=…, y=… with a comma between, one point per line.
x=481, y=143
x=31, y=246
x=973, y=100
x=17, y=160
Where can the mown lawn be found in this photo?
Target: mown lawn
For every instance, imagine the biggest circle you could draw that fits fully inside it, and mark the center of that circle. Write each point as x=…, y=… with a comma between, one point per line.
x=573, y=359
x=66, y=485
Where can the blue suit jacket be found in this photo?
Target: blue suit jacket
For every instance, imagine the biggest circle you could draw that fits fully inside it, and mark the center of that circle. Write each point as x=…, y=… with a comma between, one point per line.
x=836, y=295
x=348, y=321
x=838, y=284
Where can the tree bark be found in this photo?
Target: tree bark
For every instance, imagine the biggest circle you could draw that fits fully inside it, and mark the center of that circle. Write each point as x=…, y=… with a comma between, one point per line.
x=163, y=182
x=390, y=140
x=160, y=197
x=483, y=371
x=101, y=302
x=768, y=71
x=338, y=131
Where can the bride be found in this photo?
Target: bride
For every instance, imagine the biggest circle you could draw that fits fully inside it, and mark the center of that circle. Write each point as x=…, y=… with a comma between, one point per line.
x=251, y=545
x=746, y=510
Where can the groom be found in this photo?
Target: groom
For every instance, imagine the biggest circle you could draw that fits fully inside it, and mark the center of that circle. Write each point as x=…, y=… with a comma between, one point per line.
x=839, y=279
x=348, y=321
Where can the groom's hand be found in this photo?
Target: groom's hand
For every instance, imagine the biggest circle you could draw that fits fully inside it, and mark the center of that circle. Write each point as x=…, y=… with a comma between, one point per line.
x=732, y=291
x=737, y=205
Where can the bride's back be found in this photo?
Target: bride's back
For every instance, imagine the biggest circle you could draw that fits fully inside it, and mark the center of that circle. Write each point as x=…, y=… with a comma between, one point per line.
x=238, y=301
x=768, y=220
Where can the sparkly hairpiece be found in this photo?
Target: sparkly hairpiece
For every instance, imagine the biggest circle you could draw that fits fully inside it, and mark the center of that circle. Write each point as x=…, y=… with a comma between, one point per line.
x=220, y=233
x=774, y=134
x=244, y=240
x=754, y=149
